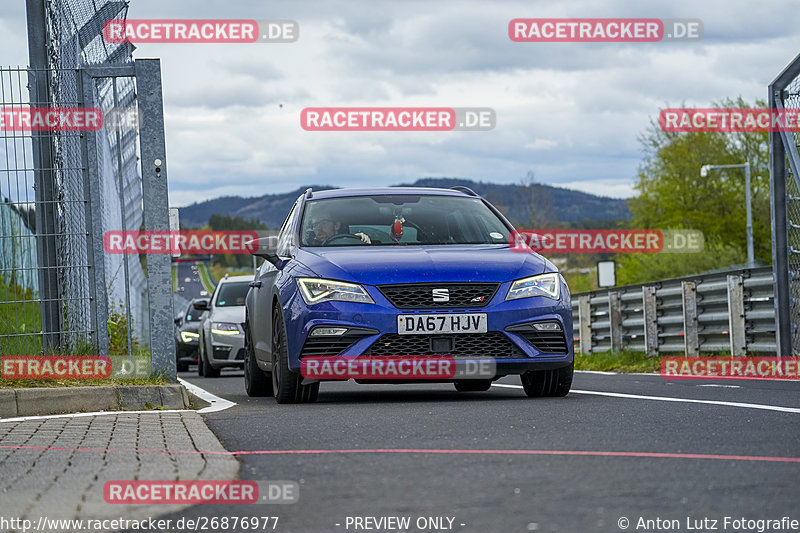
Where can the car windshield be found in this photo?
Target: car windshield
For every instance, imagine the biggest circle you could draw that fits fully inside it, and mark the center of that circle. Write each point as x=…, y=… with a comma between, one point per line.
x=403, y=219
x=232, y=294
x=192, y=314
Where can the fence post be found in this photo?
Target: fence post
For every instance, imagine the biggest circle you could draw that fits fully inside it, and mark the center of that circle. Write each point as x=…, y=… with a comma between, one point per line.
x=650, y=320
x=93, y=215
x=155, y=200
x=45, y=195
x=585, y=323
x=691, y=339
x=736, y=323
x=615, y=320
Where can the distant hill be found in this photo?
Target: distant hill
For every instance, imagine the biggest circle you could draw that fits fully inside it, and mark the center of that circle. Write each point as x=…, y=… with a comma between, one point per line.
x=554, y=204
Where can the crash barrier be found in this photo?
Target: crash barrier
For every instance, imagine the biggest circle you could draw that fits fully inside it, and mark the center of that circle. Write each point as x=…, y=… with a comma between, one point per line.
x=729, y=311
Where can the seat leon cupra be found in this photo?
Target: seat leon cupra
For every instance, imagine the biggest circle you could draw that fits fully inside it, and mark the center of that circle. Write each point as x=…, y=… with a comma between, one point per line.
x=403, y=272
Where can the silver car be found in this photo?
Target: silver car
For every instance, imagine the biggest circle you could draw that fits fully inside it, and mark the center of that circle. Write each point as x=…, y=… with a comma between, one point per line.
x=221, y=331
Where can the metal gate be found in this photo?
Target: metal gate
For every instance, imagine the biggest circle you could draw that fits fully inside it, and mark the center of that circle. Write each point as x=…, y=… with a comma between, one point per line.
x=784, y=93
x=61, y=191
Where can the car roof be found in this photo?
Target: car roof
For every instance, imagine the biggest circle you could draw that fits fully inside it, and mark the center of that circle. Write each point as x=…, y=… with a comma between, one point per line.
x=373, y=191
x=236, y=278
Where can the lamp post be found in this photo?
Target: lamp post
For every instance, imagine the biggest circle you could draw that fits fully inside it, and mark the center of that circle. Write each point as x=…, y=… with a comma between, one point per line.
x=704, y=172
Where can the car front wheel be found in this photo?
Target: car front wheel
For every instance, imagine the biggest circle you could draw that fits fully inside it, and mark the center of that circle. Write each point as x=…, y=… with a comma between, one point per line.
x=286, y=384
x=557, y=382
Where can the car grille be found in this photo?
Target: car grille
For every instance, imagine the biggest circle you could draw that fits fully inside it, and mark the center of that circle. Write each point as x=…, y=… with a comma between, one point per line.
x=328, y=345
x=491, y=344
x=545, y=341
x=420, y=295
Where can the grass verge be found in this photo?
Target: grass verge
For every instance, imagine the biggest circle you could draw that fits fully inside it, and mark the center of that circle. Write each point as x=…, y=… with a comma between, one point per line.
x=205, y=277
x=66, y=383
x=627, y=361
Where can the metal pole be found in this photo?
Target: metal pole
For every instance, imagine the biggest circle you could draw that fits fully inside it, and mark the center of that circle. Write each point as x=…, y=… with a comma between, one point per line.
x=155, y=201
x=780, y=244
x=44, y=179
x=751, y=262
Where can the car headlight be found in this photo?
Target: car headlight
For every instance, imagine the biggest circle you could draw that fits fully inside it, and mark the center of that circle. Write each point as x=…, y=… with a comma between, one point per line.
x=546, y=285
x=224, y=328
x=316, y=290
x=189, y=336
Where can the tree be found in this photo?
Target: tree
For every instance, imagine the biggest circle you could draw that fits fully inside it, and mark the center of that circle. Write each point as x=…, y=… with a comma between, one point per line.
x=229, y=223
x=673, y=195
x=535, y=203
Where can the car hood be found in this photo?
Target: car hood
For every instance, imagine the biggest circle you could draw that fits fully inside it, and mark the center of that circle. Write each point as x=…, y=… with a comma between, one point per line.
x=234, y=313
x=409, y=264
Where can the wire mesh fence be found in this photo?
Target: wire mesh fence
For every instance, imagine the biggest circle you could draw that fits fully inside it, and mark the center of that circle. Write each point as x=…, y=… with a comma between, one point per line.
x=791, y=100
x=784, y=93
x=49, y=296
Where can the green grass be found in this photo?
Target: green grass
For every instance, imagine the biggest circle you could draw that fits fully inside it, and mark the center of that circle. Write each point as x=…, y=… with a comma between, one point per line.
x=61, y=383
x=19, y=316
x=205, y=277
x=627, y=361
x=219, y=271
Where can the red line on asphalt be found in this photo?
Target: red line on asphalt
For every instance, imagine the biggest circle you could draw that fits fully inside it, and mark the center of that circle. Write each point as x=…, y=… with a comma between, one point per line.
x=652, y=455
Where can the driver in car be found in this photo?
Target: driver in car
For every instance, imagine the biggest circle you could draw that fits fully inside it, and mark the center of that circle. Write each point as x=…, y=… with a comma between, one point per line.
x=325, y=228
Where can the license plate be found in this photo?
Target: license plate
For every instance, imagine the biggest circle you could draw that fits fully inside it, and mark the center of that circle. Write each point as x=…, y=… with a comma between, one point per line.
x=441, y=323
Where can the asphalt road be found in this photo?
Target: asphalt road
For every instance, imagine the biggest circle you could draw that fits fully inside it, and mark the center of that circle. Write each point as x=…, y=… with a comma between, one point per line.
x=189, y=284
x=493, y=490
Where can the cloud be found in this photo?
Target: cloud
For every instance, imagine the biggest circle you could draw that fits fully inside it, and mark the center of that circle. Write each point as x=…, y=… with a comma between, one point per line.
x=571, y=112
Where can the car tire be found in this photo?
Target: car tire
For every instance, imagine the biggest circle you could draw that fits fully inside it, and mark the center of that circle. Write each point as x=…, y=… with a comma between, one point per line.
x=182, y=367
x=557, y=382
x=286, y=385
x=256, y=381
x=209, y=371
x=473, y=385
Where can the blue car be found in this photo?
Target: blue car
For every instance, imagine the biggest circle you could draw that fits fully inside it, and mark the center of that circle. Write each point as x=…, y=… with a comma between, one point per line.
x=416, y=272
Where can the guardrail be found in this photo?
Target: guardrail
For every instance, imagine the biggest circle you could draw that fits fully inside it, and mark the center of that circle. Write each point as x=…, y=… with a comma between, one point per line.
x=726, y=311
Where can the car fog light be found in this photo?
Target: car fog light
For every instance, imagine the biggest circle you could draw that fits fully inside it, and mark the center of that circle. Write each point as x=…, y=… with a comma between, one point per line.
x=327, y=332
x=547, y=326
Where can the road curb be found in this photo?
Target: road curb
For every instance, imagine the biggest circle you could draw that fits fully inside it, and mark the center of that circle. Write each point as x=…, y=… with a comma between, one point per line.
x=55, y=401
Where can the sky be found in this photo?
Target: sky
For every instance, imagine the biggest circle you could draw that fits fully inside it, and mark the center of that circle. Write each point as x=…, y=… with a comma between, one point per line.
x=571, y=113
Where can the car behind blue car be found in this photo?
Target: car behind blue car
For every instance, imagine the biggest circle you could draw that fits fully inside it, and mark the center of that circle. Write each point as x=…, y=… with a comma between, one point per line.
x=411, y=272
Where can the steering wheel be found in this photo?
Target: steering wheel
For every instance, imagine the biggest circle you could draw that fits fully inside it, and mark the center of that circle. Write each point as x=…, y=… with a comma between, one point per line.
x=342, y=236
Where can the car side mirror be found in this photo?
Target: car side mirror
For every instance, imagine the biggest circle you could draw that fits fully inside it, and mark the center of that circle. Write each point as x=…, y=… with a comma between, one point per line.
x=201, y=305
x=267, y=248
x=177, y=320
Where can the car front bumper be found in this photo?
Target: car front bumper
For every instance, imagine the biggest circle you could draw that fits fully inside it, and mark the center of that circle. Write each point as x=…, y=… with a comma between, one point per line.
x=374, y=326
